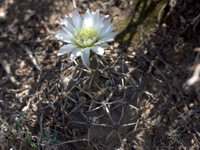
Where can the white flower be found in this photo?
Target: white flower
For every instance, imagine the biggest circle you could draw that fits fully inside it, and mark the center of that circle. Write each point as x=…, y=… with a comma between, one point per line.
x=83, y=35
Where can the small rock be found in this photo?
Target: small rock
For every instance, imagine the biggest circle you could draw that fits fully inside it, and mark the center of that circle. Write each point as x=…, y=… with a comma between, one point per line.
x=191, y=105
x=19, y=106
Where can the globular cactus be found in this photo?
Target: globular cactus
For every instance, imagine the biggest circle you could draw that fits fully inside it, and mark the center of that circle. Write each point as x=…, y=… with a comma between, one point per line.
x=102, y=113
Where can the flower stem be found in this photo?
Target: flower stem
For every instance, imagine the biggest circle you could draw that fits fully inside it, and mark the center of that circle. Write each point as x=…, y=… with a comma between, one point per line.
x=94, y=66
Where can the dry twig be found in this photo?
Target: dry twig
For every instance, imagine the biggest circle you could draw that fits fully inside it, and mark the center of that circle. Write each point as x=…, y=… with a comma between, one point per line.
x=6, y=67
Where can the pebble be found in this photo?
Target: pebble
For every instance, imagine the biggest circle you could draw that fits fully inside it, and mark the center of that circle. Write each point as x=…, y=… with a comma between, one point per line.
x=19, y=106
x=191, y=105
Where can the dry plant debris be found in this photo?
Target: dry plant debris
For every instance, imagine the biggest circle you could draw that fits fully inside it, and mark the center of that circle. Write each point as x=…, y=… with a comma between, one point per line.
x=141, y=100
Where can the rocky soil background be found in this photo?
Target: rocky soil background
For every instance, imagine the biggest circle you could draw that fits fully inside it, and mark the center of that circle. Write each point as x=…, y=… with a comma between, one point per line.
x=142, y=100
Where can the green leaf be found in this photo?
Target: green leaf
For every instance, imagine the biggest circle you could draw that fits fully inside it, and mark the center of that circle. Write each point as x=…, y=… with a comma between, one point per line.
x=21, y=114
x=44, y=135
x=18, y=121
x=54, y=135
x=26, y=135
x=19, y=127
x=32, y=144
x=4, y=124
x=10, y=133
x=57, y=142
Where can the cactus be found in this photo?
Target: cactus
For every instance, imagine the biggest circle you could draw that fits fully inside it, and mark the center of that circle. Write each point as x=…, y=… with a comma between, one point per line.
x=101, y=114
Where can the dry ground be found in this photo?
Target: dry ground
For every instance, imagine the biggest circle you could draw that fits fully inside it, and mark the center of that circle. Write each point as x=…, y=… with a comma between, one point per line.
x=44, y=99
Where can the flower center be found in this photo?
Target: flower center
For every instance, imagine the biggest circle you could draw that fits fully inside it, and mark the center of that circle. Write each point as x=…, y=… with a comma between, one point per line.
x=86, y=36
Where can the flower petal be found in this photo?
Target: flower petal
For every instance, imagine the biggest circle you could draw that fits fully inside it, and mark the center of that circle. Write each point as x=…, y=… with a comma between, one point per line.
x=65, y=18
x=85, y=56
x=63, y=36
x=75, y=53
x=109, y=29
x=105, y=25
x=107, y=39
x=107, y=36
x=98, y=50
x=67, y=22
x=69, y=27
x=95, y=17
x=77, y=42
x=104, y=45
x=100, y=22
x=66, y=49
x=87, y=20
x=69, y=31
x=77, y=20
